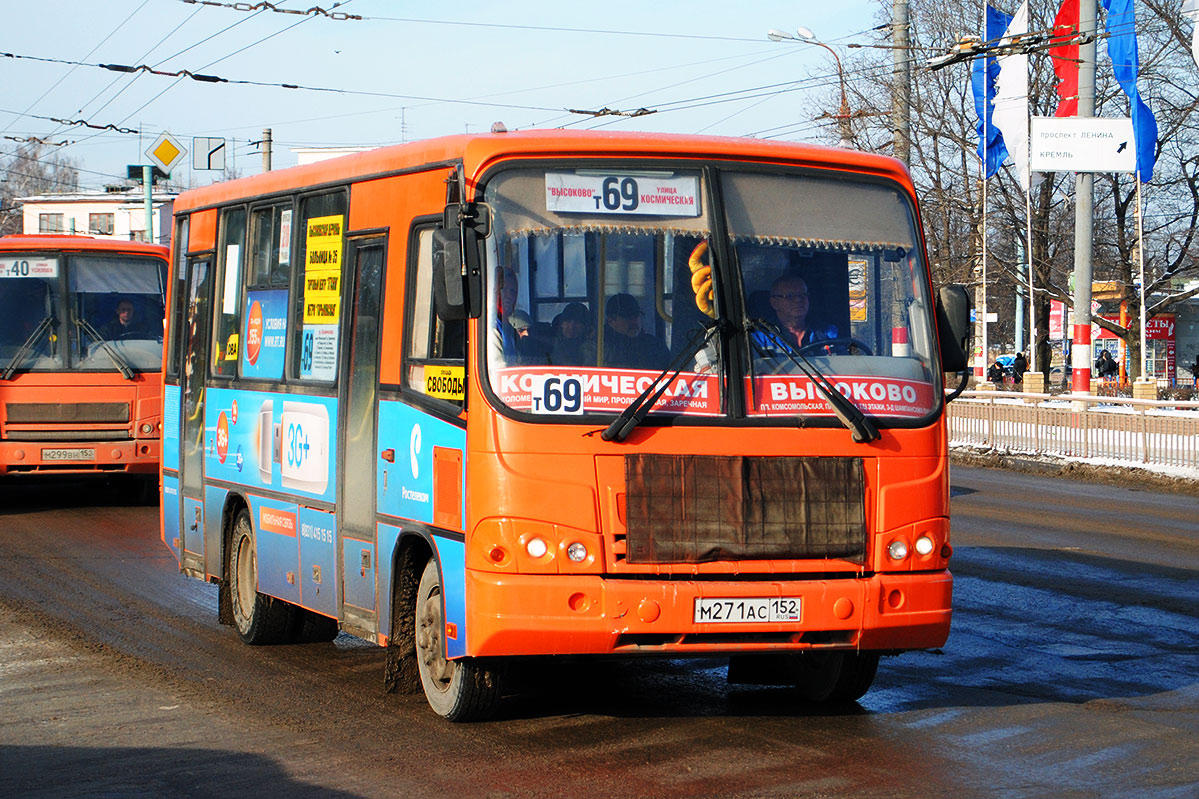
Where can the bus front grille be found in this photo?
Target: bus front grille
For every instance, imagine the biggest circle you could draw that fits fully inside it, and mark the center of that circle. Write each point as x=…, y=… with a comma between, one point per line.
x=700, y=509
x=121, y=434
x=66, y=412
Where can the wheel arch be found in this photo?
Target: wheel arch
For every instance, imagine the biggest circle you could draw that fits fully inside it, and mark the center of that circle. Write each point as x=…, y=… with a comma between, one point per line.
x=413, y=550
x=234, y=502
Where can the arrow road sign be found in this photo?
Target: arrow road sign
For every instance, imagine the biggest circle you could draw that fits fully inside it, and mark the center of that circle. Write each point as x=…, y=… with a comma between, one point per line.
x=208, y=153
x=1082, y=144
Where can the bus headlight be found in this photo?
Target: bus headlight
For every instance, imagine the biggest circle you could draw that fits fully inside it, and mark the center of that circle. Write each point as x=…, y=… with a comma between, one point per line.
x=924, y=545
x=577, y=552
x=898, y=550
x=536, y=547
x=147, y=428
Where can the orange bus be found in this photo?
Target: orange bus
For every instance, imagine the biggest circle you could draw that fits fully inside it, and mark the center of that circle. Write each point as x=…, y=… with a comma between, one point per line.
x=485, y=398
x=81, y=324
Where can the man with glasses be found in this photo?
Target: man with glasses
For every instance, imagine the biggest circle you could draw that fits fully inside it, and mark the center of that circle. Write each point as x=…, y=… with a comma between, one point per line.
x=789, y=299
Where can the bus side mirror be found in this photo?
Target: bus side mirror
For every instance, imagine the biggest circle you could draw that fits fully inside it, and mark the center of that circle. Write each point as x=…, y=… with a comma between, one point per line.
x=464, y=226
x=448, y=285
x=953, y=327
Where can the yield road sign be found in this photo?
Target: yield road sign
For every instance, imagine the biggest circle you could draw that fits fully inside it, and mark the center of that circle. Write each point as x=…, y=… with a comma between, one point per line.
x=166, y=152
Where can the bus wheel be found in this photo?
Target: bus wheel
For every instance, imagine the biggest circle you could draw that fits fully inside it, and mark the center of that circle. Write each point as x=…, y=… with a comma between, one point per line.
x=834, y=677
x=259, y=619
x=458, y=690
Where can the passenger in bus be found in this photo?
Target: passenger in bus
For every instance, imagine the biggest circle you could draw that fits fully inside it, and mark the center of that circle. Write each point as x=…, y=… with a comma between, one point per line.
x=503, y=335
x=124, y=325
x=511, y=345
x=574, y=338
x=625, y=345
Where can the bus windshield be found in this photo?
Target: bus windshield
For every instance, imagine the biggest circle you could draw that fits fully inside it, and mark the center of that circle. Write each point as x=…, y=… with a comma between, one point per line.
x=601, y=279
x=80, y=312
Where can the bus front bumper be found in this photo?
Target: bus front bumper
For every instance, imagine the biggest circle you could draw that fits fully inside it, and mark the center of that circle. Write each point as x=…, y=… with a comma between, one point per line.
x=561, y=615
x=136, y=456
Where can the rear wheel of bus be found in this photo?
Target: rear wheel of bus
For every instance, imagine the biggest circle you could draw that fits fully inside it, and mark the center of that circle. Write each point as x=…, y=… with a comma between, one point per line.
x=458, y=690
x=259, y=619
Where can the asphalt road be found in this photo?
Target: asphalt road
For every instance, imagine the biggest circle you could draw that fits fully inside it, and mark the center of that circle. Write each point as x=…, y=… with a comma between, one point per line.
x=1071, y=671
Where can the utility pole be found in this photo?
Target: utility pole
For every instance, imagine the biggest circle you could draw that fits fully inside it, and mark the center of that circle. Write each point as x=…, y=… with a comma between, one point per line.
x=1084, y=200
x=901, y=91
x=266, y=149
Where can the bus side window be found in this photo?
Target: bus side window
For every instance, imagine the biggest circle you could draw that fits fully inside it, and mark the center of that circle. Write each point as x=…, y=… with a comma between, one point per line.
x=268, y=272
x=227, y=306
x=316, y=320
x=178, y=305
x=435, y=355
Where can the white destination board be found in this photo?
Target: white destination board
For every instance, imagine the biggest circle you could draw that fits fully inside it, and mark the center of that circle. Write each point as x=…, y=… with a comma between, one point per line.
x=28, y=267
x=621, y=194
x=1082, y=144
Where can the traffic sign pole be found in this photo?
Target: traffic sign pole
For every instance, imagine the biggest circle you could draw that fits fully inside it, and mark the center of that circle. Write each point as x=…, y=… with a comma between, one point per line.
x=148, y=182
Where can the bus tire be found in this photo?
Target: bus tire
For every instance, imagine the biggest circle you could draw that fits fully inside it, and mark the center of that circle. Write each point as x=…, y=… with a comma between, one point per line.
x=259, y=619
x=834, y=677
x=457, y=690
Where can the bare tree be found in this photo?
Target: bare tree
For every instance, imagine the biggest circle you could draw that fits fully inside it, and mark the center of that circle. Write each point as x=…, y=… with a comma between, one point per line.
x=946, y=169
x=31, y=170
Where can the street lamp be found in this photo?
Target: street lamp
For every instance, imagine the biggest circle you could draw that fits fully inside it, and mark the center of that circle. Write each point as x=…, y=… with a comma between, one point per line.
x=806, y=36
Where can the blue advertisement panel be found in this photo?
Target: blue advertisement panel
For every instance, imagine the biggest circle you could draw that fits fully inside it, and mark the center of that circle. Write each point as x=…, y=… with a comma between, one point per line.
x=270, y=440
x=170, y=428
x=405, y=486
x=170, y=513
x=318, y=561
x=275, y=526
x=265, y=335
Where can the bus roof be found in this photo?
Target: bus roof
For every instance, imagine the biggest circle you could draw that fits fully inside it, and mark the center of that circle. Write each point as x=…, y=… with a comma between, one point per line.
x=477, y=151
x=64, y=242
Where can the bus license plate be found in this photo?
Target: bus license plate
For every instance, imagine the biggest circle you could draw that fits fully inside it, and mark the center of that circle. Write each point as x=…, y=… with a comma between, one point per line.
x=68, y=454
x=740, y=610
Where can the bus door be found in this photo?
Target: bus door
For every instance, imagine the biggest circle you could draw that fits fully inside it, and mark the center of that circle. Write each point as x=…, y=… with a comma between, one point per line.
x=359, y=394
x=192, y=441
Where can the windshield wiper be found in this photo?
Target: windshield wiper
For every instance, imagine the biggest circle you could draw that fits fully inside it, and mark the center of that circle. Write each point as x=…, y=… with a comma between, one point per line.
x=637, y=410
x=27, y=347
x=117, y=361
x=850, y=415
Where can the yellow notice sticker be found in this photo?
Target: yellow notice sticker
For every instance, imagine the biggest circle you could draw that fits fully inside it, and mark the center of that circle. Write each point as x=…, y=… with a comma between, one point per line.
x=322, y=270
x=446, y=382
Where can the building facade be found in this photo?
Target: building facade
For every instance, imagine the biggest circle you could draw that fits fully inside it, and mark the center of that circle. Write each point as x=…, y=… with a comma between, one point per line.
x=112, y=214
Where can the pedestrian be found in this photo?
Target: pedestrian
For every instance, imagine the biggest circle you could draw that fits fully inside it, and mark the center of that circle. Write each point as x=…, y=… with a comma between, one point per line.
x=995, y=374
x=1106, y=366
x=1019, y=367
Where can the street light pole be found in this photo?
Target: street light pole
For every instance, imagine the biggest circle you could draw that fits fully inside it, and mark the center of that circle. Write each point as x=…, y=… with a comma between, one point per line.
x=843, y=116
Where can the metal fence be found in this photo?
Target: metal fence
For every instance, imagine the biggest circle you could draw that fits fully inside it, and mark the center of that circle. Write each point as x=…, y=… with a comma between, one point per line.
x=1134, y=432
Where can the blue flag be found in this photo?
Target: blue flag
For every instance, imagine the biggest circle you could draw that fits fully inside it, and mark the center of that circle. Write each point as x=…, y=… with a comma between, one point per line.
x=991, y=149
x=1122, y=47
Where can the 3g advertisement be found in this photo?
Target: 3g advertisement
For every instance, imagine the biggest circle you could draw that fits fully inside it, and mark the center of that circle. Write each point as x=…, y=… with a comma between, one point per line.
x=280, y=441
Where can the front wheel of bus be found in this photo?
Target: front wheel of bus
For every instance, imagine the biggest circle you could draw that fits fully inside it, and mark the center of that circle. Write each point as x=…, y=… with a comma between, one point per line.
x=259, y=619
x=458, y=690
x=835, y=677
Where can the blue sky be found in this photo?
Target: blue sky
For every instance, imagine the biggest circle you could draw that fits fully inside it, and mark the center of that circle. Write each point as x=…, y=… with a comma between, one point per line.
x=409, y=71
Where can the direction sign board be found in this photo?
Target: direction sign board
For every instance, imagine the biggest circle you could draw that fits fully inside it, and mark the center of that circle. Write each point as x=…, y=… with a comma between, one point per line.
x=1082, y=144
x=208, y=153
x=166, y=152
